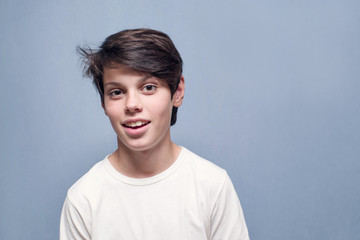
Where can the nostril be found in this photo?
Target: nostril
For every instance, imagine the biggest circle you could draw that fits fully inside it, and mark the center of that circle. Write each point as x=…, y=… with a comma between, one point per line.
x=133, y=109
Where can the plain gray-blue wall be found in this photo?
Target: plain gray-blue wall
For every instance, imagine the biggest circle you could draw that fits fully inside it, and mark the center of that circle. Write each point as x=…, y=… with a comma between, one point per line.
x=272, y=95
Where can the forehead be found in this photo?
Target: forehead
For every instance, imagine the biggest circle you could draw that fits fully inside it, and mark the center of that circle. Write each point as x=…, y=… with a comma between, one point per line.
x=123, y=74
x=118, y=71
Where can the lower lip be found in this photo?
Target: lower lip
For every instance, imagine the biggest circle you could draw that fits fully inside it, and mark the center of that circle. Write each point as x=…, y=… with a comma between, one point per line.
x=136, y=131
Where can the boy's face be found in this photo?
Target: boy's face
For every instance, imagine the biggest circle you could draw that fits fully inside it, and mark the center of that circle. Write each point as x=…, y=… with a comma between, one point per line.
x=139, y=107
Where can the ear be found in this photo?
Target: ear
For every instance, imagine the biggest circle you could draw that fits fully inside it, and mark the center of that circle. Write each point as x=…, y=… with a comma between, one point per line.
x=179, y=93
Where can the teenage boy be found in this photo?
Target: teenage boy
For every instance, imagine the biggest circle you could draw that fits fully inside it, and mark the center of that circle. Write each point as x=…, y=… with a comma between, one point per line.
x=149, y=188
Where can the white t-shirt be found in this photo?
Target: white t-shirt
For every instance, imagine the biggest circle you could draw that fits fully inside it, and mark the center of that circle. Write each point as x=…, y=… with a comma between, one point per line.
x=192, y=200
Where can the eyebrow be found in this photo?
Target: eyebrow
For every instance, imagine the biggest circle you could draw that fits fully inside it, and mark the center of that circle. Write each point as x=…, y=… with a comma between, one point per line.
x=141, y=80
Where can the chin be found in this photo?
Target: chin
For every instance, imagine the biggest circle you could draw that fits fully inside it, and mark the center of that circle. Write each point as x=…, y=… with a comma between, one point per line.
x=136, y=145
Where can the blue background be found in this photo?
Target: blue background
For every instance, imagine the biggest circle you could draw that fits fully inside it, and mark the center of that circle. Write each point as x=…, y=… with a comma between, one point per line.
x=272, y=95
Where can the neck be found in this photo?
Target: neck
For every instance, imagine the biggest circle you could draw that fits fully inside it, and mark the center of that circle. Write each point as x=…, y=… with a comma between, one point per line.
x=147, y=163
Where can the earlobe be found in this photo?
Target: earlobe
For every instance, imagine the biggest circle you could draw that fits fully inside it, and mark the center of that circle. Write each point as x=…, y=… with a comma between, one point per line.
x=179, y=94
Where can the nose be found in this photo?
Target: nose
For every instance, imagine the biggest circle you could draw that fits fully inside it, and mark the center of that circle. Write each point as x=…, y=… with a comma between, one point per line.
x=133, y=103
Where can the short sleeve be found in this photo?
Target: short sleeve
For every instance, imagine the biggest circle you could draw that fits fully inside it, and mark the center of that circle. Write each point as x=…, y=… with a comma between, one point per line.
x=227, y=218
x=72, y=224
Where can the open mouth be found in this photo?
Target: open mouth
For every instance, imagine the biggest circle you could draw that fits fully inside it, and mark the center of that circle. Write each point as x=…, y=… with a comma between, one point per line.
x=135, y=125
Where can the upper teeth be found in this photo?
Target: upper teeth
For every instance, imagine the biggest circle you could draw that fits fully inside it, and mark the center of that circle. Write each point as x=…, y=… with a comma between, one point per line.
x=135, y=124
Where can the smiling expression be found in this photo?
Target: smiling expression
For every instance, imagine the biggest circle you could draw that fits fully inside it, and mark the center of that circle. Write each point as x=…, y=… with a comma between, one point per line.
x=139, y=107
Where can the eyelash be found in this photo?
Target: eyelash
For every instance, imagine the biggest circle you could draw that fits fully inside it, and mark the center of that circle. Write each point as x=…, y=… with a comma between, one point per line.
x=113, y=92
x=118, y=92
x=153, y=88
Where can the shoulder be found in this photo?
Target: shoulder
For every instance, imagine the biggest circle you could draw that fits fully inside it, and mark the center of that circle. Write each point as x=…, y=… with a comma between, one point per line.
x=207, y=173
x=89, y=184
x=203, y=166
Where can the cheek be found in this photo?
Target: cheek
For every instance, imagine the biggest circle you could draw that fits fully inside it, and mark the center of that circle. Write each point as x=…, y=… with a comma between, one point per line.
x=162, y=108
x=111, y=110
x=165, y=105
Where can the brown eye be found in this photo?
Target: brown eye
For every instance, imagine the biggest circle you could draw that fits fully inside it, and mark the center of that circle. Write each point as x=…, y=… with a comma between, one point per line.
x=115, y=92
x=149, y=88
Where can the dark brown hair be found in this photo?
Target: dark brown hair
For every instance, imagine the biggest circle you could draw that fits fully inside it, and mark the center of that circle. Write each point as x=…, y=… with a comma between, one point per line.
x=144, y=50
